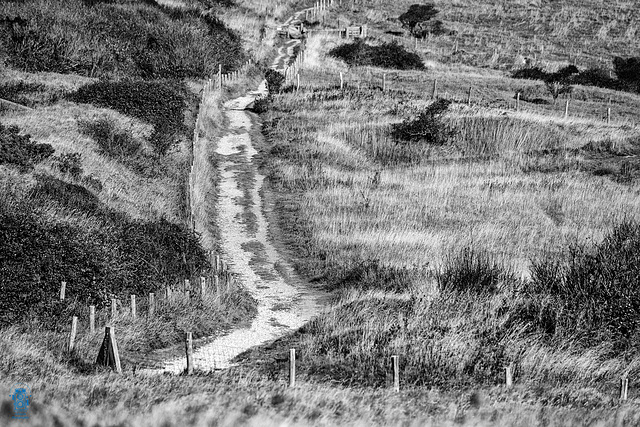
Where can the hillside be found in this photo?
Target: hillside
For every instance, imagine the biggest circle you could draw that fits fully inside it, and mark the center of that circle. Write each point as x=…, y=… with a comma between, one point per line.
x=466, y=221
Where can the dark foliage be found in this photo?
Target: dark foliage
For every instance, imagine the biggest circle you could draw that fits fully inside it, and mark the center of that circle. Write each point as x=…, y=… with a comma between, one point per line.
x=370, y=274
x=160, y=103
x=530, y=73
x=20, y=150
x=386, y=55
x=124, y=256
x=595, y=291
x=112, y=141
x=417, y=13
x=116, y=38
x=434, y=27
x=428, y=126
x=68, y=163
x=275, y=80
x=472, y=271
x=628, y=72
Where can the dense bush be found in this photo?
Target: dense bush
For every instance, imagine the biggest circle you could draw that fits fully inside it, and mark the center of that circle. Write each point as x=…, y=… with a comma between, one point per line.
x=428, y=126
x=160, y=103
x=115, y=38
x=123, y=256
x=386, y=55
x=473, y=271
x=416, y=14
x=275, y=80
x=20, y=150
x=628, y=72
x=595, y=291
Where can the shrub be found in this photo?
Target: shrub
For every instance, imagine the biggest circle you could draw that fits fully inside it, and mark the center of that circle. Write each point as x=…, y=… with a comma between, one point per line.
x=628, y=72
x=275, y=80
x=428, y=126
x=160, y=103
x=20, y=150
x=472, y=271
x=595, y=291
x=68, y=163
x=530, y=73
x=416, y=14
x=111, y=140
x=386, y=55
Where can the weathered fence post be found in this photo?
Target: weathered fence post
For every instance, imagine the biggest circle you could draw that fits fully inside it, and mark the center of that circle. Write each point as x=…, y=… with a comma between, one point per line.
x=216, y=281
x=384, y=82
x=63, y=288
x=220, y=76
x=152, y=304
x=189, y=349
x=341, y=81
x=469, y=96
x=508, y=373
x=133, y=306
x=92, y=318
x=396, y=373
x=114, y=309
x=608, y=115
x=518, y=101
x=72, y=335
x=298, y=82
x=292, y=367
x=108, y=354
x=566, y=109
x=624, y=388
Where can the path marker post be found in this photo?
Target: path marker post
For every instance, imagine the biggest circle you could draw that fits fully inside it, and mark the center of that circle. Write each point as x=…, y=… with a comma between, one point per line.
x=92, y=318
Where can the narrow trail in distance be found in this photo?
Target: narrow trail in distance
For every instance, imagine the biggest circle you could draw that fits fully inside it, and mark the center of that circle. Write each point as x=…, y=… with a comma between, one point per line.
x=285, y=301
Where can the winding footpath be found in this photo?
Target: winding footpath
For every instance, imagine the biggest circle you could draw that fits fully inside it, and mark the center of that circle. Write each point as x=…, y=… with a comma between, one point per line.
x=285, y=301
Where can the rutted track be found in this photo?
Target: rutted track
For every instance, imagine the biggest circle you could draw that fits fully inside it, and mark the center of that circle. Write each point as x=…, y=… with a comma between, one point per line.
x=285, y=301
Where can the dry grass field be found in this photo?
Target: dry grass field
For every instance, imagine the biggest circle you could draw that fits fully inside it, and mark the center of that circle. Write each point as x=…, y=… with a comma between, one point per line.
x=512, y=244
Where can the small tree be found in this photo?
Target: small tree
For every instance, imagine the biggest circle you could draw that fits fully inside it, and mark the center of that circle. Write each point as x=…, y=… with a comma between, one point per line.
x=416, y=14
x=557, y=87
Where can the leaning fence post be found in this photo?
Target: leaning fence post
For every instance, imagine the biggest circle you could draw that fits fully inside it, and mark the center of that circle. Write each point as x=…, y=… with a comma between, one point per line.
x=72, y=335
x=63, y=288
x=292, y=367
x=92, y=318
x=152, y=304
x=624, y=388
x=189, y=350
x=396, y=373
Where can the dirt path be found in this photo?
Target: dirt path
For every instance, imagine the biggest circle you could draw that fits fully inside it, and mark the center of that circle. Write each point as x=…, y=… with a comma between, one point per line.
x=285, y=301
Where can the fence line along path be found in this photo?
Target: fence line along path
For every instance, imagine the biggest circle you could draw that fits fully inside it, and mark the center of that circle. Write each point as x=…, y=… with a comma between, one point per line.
x=285, y=301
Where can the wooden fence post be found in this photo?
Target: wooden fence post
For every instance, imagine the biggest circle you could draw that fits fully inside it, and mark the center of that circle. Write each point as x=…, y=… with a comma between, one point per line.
x=108, y=354
x=72, y=335
x=220, y=76
x=92, y=318
x=518, y=101
x=608, y=115
x=216, y=281
x=152, y=304
x=298, y=82
x=469, y=96
x=63, y=288
x=217, y=263
x=341, y=81
x=203, y=286
x=396, y=373
x=114, y=309
x=434, y=94
x=292, y=367
x=508, y=373
x=384, y=82
x=566, y=109
x=133, y=306
x=624, y=388
x=189, y=349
